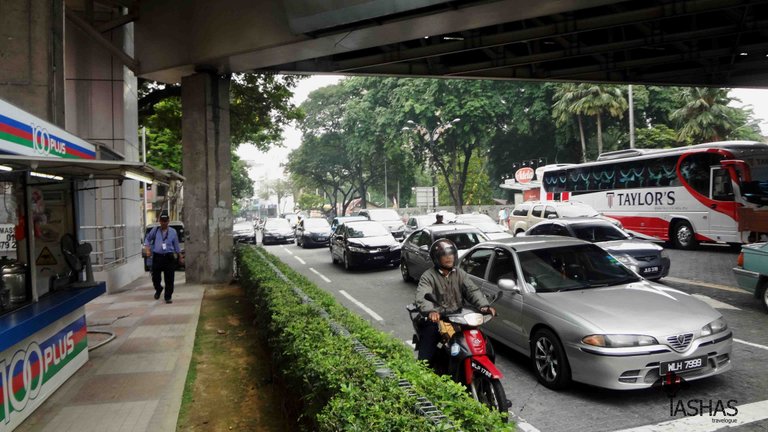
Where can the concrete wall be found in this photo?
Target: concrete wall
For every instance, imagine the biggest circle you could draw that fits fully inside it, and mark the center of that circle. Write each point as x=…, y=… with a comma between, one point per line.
x=102, y=99
x=31, y=57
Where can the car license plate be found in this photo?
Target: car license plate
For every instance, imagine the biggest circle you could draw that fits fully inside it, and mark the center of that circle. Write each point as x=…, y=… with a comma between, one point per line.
x=650, y=270
x=378, y=257
x=321, y=239
x=685, y=365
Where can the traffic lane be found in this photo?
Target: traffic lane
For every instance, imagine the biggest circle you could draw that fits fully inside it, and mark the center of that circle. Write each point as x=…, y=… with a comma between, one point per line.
x=710, y=263
x=380, y=289
x=609, y=410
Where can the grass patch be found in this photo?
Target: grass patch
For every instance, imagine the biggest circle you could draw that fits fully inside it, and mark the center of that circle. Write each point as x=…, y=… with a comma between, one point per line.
x=230, y=383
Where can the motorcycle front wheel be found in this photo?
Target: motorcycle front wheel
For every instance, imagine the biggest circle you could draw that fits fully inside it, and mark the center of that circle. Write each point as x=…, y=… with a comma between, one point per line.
x=489, y=391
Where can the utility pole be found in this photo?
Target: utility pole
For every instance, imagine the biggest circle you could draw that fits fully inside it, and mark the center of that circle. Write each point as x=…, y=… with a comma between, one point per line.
x=631, y=120
x=386, y=196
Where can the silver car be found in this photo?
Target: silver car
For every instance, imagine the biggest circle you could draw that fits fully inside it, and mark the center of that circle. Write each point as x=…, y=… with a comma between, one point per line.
x=582, y=315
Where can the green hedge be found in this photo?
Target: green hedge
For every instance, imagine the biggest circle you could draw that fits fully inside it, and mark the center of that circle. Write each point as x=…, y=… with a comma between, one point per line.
x=338, y=387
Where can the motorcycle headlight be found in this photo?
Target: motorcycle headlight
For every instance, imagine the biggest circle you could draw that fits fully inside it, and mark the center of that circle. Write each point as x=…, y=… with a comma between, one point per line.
x=716, y=326
x=619, y=340
x=357, y=249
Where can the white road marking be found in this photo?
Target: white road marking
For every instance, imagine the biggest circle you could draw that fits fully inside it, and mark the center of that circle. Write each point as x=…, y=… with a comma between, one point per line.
x=289, y=252
x=748, y=413
x=705, y=284
x=320, y=274
x=300, y=260
x=714, y=303
x=751, y=344
x=368, y=310
x=410, y=343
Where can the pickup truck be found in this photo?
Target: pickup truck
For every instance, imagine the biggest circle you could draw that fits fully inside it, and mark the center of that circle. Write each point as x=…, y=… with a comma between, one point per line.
x=752, y=271
x=528, y=214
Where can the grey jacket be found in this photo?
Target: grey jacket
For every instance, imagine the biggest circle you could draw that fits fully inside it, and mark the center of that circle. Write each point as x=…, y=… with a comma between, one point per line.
x=451, y=291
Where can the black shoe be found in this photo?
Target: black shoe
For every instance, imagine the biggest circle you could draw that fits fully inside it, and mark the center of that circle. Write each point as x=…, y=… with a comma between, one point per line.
x=157, y=295
x=169, y=301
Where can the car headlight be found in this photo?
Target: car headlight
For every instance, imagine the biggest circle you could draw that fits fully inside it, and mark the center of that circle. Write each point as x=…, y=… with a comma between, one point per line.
x=664, y=254
x=716, y=326
x=619, y=340
x=357, y=249
x=625, y=259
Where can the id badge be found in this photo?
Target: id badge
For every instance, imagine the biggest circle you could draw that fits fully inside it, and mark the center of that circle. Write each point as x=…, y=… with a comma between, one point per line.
x=163, y=246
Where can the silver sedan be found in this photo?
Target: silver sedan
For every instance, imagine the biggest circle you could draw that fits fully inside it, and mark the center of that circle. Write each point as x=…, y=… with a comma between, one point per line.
x=581, y=315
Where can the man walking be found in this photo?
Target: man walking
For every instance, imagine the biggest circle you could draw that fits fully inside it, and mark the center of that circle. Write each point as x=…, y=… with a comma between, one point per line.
x=163, y=241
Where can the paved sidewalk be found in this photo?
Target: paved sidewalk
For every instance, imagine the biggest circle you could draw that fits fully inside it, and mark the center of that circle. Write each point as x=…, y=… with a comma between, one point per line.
x=135, y=382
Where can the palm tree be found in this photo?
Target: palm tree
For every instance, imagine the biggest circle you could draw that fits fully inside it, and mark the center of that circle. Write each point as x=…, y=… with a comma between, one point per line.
x=591, y=100
x=704, y=115
x=566, y=96
x=598, y=99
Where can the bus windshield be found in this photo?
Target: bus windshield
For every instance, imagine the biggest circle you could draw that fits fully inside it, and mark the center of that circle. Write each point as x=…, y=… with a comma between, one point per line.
x=756, y=191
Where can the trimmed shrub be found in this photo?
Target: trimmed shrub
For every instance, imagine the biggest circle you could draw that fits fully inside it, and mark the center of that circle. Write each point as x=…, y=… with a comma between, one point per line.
x=337, y=386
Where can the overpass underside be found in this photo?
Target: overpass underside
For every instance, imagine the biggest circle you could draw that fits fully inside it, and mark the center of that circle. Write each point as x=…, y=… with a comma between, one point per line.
x=684, y=42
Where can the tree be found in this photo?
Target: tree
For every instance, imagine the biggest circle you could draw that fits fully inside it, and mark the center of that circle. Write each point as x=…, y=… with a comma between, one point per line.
x=704, y=114
x=260, y=108
x=280, y=188
x=309, y=201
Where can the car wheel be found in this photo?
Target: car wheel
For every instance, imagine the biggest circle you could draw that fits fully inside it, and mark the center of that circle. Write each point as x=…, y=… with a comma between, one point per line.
x=347, y=264
x=404, y=271
x=333, y=258
x=549, y=361
x=762, y=294
x=683, y=236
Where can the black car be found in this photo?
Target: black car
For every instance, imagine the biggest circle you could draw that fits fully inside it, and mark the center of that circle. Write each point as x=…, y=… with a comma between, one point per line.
x=643, y=257
x=387, y=217
x=277, y=230
x=364, y=243
x=415, y=258
x=312, y=232
x=179, y=227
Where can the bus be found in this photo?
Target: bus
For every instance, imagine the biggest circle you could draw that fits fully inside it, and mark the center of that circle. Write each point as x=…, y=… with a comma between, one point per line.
x=715, y=192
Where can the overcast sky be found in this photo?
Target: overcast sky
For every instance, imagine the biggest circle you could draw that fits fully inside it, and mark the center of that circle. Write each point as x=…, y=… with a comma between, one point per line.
x=268, y=165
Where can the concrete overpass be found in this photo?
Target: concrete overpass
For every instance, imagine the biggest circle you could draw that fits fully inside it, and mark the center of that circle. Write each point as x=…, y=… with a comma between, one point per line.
x=75, y=64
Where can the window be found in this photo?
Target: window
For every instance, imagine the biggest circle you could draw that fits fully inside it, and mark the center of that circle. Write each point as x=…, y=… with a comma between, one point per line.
x=560, y=230
x=503, y=267
x=521, y=210
x=549, y=211
x=477, y=263
x=541, y=229
x=695, y=169
x=425, y=239
x=537, y=211
x=722, y=190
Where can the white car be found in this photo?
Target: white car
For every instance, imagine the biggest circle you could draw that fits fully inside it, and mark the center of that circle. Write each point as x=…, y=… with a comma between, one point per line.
x=528, y=214
x=486, y=224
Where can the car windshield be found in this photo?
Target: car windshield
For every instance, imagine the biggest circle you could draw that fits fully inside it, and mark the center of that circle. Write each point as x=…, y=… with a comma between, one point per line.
x=360, y=230
x=462, y=240
x=598, y=232
x=277, y=224
x=316, y=223
x=383, y=215
x=573, y=267
x=577, y=211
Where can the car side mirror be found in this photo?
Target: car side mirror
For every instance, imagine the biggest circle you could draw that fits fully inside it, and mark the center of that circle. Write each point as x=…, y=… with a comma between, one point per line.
x=425, y=248
x=509, y=285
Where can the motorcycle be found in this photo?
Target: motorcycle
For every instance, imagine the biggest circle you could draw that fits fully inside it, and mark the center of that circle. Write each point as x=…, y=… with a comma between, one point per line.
x=465, y=353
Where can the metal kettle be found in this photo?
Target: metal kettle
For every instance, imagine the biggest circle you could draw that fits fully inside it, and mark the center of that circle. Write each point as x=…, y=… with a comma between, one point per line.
x=14, y=279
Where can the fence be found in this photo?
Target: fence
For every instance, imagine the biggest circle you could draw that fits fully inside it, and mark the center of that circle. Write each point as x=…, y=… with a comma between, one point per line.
x=108, y=243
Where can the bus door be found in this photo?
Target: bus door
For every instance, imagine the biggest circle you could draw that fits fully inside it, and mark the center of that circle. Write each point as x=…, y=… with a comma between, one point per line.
x=722, y=216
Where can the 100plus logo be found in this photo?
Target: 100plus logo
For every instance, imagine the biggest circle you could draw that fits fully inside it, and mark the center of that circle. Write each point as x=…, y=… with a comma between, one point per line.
x=45, y=144
x=23, y=375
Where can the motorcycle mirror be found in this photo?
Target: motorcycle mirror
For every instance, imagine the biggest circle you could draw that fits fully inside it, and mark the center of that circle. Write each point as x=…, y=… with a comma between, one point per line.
x=508, y=285
x=430, y=297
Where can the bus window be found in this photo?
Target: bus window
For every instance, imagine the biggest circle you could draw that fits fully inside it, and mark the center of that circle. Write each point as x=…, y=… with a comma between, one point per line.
x=722, y=190
x=695, y=169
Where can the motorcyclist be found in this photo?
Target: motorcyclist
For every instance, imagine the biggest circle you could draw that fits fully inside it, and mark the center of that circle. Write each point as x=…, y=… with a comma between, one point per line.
x=451, y=287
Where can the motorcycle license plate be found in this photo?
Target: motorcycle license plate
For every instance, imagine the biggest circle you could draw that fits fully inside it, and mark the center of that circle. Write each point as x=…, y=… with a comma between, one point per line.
x=684, y=365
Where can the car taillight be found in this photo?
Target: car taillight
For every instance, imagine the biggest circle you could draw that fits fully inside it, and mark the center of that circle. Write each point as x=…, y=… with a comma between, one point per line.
x=740, y=260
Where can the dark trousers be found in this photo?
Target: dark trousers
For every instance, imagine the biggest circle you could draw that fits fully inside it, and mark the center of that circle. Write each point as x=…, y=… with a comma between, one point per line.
x=163, y=265
x=429, y=337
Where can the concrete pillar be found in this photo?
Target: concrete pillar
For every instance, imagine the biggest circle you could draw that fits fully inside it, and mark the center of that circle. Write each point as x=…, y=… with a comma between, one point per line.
x=31, y=57
x=208, y=169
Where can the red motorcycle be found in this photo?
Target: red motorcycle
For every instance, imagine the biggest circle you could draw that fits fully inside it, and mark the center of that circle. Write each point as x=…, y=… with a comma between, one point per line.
x=465, y=353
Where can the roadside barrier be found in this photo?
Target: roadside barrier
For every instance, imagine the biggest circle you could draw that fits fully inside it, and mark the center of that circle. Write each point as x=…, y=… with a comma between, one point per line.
x=337, y=361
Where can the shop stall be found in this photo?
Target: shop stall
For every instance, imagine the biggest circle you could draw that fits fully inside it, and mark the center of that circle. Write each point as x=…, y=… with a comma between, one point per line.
x=45, y=272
